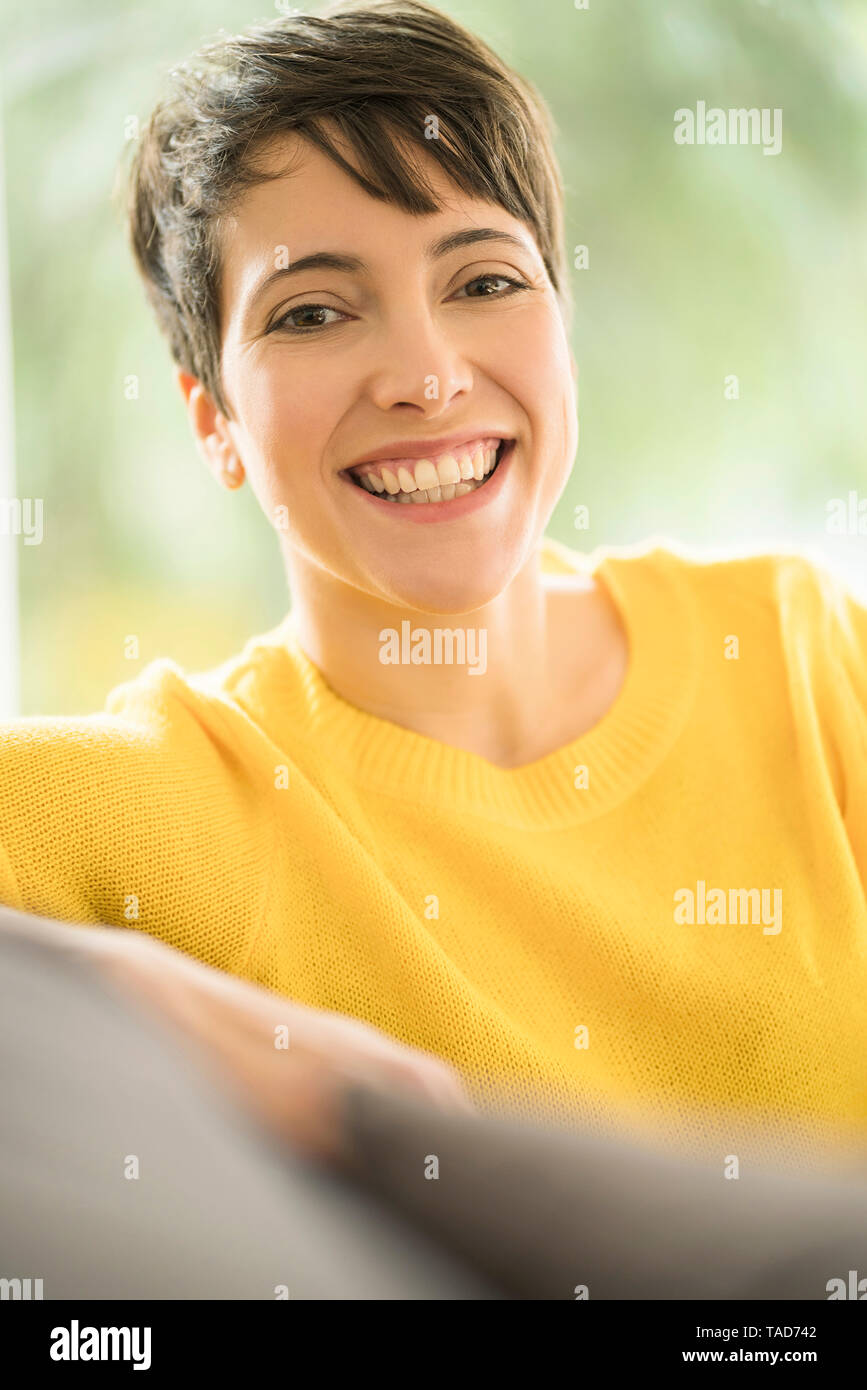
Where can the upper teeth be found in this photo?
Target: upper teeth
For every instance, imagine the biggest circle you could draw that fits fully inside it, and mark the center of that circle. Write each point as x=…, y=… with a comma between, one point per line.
x=431, y=480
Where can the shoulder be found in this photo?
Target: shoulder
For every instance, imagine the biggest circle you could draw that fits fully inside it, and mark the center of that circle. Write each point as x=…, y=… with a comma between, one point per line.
x=162, y=788
x=794, y=597
x=178, y=729
x=159, y=718
x=789, y=610
x=793, y=588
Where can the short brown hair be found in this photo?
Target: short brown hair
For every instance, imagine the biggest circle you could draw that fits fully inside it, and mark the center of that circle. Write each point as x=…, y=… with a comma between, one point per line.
x=372, y=70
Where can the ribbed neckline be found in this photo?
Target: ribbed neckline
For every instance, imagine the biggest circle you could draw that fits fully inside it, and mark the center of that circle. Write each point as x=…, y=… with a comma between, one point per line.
x=619, y=751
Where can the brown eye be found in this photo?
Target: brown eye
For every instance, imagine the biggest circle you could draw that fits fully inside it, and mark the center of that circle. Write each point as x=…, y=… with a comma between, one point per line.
x=488, y=279
x=285, y=324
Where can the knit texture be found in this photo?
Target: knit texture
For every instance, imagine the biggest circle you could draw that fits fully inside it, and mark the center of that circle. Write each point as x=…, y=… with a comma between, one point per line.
x=595, y=934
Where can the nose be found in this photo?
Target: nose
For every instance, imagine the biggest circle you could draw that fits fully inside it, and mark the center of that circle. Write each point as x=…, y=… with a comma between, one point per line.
x=417, y=362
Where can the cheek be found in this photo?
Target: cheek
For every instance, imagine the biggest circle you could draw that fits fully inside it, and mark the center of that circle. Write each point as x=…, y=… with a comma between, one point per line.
x=535, y=367
x=287, y=420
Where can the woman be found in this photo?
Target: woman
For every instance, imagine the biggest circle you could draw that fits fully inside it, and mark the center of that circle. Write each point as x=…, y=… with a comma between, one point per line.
x=592, y=831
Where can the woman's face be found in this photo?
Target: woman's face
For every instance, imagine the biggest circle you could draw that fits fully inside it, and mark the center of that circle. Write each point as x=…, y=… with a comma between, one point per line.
x=416, y=348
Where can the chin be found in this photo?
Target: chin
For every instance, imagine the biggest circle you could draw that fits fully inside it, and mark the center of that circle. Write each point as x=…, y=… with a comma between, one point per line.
x=454, y=591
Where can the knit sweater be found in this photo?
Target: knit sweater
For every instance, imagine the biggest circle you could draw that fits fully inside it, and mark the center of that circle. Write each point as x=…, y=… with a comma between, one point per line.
x=660, y=926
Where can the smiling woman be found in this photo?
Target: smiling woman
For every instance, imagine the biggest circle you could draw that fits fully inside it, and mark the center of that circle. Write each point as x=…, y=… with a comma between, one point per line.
x=350, y=226
x=437, y=334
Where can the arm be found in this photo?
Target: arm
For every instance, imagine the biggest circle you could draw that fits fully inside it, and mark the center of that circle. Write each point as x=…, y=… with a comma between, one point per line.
x=238, y=1026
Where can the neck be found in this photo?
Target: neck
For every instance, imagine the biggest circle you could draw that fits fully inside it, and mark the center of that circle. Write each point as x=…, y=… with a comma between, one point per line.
x=477, y=680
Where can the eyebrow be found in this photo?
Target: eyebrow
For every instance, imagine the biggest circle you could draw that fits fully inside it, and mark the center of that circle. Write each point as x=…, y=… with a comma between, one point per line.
x=333, y=260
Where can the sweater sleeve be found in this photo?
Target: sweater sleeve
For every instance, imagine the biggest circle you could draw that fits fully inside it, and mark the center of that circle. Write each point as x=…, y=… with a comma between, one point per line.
x=64, y=796
x=841, y=675
x=141, y=816
x=849, y=641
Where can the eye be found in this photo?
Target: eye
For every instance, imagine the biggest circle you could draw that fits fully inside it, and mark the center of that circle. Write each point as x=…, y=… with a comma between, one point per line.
x=285, y=325
x=491, y=279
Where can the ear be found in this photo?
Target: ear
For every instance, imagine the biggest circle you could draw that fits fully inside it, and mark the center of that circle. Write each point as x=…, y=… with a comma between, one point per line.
x=210, y=431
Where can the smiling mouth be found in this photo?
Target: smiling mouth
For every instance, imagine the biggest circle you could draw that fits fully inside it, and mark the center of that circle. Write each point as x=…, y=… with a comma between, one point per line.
x=440, y=479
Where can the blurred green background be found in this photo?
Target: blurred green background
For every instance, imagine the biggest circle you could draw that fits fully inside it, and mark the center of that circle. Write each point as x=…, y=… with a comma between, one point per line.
x=703, y=262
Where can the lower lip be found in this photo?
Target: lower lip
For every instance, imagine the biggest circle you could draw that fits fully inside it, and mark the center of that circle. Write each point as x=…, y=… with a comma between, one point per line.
x=431, y=512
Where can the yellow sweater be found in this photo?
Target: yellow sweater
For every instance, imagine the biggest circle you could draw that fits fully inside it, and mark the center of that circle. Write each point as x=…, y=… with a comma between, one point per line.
x=660, y=923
